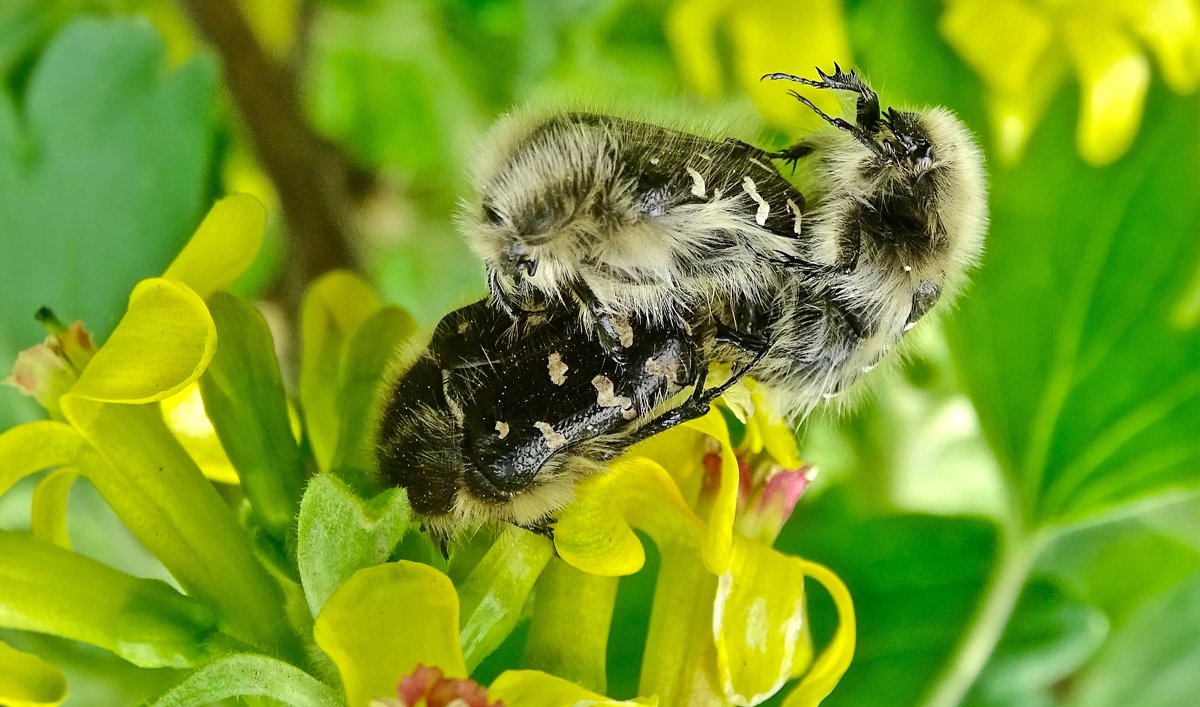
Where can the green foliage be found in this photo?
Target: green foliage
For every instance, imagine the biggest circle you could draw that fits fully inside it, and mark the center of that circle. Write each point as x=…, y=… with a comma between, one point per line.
x=244, y=397
x=88, y=203
x=1084, y=375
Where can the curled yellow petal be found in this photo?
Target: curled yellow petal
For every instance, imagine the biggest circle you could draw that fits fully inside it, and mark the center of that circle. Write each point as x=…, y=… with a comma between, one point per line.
x=48, y=509
x=162, y=344
x=595, y=533
x=29, y=448
x=835, y=659
x=383, y=621
x=533, y=688
x=223, y=247
x=28, y=681
x=1115, y=76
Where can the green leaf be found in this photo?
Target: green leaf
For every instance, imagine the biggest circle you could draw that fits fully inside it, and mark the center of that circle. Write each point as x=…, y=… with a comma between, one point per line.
x=47, y=589
x=369, y=353
x=1050, y=636
x=339, y=533
x=334, y=307
x=1152, y=659
x=245, y=399
x=1118, y=567
x=493, y=595
x=248, y=675
x=77, y=239
x=24, y=26
x=1086, y=379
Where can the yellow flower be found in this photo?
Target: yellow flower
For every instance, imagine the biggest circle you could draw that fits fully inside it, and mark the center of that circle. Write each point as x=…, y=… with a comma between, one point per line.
x=1024, y=49
x=387, y=621
x=108, y=429
x=729, y=622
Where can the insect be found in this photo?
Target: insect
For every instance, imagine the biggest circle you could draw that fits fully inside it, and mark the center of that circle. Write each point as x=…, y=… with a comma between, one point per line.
x=620, y=219
x=496, y=420
x=896, y=216
x=816, y=276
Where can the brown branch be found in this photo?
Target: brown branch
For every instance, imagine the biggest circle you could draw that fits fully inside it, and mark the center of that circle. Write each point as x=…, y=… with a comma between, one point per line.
x=315, y=181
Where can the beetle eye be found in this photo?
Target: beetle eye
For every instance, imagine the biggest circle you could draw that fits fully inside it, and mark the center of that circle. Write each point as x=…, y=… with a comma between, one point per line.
x=492, y=216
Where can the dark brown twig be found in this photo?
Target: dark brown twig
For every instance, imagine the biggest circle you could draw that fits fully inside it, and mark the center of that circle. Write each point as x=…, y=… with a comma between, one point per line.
x=316, y=182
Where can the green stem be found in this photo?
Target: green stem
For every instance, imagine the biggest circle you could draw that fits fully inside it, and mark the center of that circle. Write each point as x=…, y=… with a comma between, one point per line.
x=46, y=589
x=584, y=602
x=157, y=491
x=678, y=661
x=1017, y=552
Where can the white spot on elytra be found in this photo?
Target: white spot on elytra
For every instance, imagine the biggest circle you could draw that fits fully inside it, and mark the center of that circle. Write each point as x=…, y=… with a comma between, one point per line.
x=462, y=326
x=907, y=268
x=697, y=182
x=760, y=164
x=502, y=428
x=799, y=216
x=763, y=207
x=664, y=367
x=554, y=440
x=654, y=160
x=623, y=328
x=607, y=398
x=558, y=369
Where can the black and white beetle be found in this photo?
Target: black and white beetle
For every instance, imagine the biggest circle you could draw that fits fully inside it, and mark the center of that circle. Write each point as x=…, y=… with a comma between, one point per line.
x=496, y=419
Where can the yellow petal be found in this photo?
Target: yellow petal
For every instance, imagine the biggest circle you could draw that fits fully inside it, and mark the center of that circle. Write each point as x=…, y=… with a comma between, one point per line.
x=383, y=621
x=29, y=448
x=162, y=344
x=223, y=247
x=532, y=688
x=718, y=537
x=28, y=681
x=1004, y=41
x=595, y=533
x=335, y=306
x=1013, y=119
x=185, y=415
x=1171, y=29
x=793, y=37
x=691, y=27
x=48, y=509
x=835, y=659
x=760, y=623
x=1115, y=76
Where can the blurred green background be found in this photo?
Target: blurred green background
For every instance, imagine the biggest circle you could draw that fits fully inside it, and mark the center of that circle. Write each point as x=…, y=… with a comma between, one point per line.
x=1014, y=512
